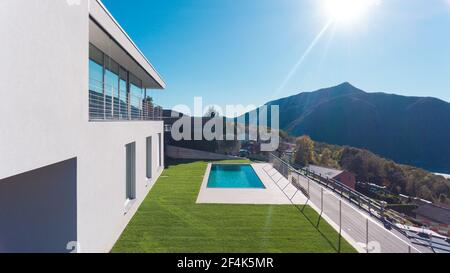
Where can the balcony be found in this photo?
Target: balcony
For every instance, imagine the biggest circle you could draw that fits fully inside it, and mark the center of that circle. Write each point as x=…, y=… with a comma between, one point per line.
x=108, y=103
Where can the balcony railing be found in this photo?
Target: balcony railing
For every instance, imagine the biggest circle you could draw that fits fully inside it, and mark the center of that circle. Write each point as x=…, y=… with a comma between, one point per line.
x=107, y=103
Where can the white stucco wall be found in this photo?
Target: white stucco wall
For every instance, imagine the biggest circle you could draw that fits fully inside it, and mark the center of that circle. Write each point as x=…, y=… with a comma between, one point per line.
x=44, y=117
x=44, y=70
x=101, y=180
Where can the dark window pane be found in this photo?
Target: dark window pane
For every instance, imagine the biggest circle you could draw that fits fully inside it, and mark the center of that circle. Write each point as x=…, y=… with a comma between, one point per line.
x=136, y=97
x=149, y=158
x=95, y=55
x=96, y=99
x=130, y=171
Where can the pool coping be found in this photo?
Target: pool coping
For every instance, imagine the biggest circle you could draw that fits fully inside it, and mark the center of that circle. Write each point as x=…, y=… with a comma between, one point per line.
x=270, y=195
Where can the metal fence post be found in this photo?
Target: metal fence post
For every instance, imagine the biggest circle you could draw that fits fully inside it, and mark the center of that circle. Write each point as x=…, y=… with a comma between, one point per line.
x=321, y=200
x=431, y=243
x=340, y=225
x=367, y=235
x=308, y=188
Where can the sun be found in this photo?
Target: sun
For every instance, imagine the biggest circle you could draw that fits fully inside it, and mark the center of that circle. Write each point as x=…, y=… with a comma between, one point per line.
x=348, y=11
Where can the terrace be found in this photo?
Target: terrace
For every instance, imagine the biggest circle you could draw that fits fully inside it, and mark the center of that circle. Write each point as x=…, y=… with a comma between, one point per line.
x=109, y=103
x=120, y=89
x=170, y=220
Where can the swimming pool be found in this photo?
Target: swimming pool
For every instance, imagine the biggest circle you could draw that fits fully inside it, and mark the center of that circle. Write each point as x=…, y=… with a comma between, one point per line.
x=234, y=176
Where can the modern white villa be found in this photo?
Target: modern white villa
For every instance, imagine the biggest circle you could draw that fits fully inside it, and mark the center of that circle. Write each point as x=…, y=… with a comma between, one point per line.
x=81, y=140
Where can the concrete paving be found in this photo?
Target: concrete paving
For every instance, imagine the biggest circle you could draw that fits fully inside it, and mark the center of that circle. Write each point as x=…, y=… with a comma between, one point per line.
x=355, y=222
x=271, y=195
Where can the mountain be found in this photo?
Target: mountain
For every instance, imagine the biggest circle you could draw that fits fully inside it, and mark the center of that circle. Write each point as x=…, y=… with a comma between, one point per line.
x=408, y=130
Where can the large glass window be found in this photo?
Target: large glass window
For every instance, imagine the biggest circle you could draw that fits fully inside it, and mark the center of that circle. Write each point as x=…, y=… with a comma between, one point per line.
x=123, y=94
x=136, y=96
x=111, y=88
x=96, y=98
x=114, y=93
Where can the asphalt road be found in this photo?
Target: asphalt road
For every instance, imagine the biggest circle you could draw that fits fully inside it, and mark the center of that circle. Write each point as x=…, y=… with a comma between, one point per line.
x=356, y=223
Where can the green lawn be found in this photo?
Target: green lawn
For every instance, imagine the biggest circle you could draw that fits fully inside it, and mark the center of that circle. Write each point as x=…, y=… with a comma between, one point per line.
x=169, y=220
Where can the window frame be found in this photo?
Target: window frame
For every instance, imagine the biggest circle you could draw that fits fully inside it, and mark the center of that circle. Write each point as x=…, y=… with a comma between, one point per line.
x=149, y=157
x=130, y=172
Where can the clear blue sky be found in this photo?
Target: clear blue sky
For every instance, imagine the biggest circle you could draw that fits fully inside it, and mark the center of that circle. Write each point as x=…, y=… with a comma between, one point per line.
x=241, y=52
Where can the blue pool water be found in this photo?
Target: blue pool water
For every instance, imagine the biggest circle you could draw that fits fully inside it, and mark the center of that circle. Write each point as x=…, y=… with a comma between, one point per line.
x=233, y=176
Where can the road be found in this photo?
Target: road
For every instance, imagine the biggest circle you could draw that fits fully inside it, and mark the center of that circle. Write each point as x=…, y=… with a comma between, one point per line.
x=356, y=223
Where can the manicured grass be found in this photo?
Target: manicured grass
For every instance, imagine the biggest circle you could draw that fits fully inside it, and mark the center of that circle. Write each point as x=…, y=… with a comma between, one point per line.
x=169, y=220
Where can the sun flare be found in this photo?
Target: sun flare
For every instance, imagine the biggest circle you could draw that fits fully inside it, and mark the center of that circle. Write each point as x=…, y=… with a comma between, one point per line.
x=348, y=11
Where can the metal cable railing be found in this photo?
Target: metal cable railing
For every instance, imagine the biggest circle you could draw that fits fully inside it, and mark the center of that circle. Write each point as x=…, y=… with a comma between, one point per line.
x=317, y=189
x=373, y=207
x=108, y=103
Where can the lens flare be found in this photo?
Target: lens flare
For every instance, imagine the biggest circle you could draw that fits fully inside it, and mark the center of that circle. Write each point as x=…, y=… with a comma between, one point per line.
x=348, y=11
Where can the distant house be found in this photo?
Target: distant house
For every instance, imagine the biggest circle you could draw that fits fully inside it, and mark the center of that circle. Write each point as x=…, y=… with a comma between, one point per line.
x=170, y=117
x=253, y=147
x=377, y=189
x=438, y=213
x=287, y=149
x=345, y=177
x=197, y=124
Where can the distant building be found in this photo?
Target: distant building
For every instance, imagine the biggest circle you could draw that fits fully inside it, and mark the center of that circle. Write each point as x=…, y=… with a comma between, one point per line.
x=286, y=147
x=438, y=213
x=435, y=216
x=345, y=177
x=374, y=188
x=287, y=150
x=225, y=146
x=253, y=147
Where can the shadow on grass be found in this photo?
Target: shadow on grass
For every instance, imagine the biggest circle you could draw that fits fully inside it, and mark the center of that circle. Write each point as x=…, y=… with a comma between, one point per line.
x=310, y=215
x=170, y=162
x=316, y=224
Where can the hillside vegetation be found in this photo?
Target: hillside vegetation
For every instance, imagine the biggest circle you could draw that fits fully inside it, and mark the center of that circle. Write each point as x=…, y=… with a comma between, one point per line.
x=369, y=167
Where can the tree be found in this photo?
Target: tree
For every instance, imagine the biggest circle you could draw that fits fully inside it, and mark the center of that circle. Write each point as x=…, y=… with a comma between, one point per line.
x=211, y=113
x=304, y=151
x=326, y=157
x=148, y=99
x=442, y=198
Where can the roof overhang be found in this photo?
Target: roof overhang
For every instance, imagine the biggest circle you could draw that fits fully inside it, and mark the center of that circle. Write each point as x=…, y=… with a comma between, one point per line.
x=106, y=34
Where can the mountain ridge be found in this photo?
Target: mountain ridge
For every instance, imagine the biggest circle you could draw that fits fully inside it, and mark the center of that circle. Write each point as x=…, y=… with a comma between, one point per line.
x=407, y=129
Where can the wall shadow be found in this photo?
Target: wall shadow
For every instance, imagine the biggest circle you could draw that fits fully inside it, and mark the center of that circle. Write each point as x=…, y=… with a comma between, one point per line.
x=38, y=209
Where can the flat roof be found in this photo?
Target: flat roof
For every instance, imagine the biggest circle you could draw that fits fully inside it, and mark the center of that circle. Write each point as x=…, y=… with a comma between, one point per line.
x=324, y=172
x=100, y=14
